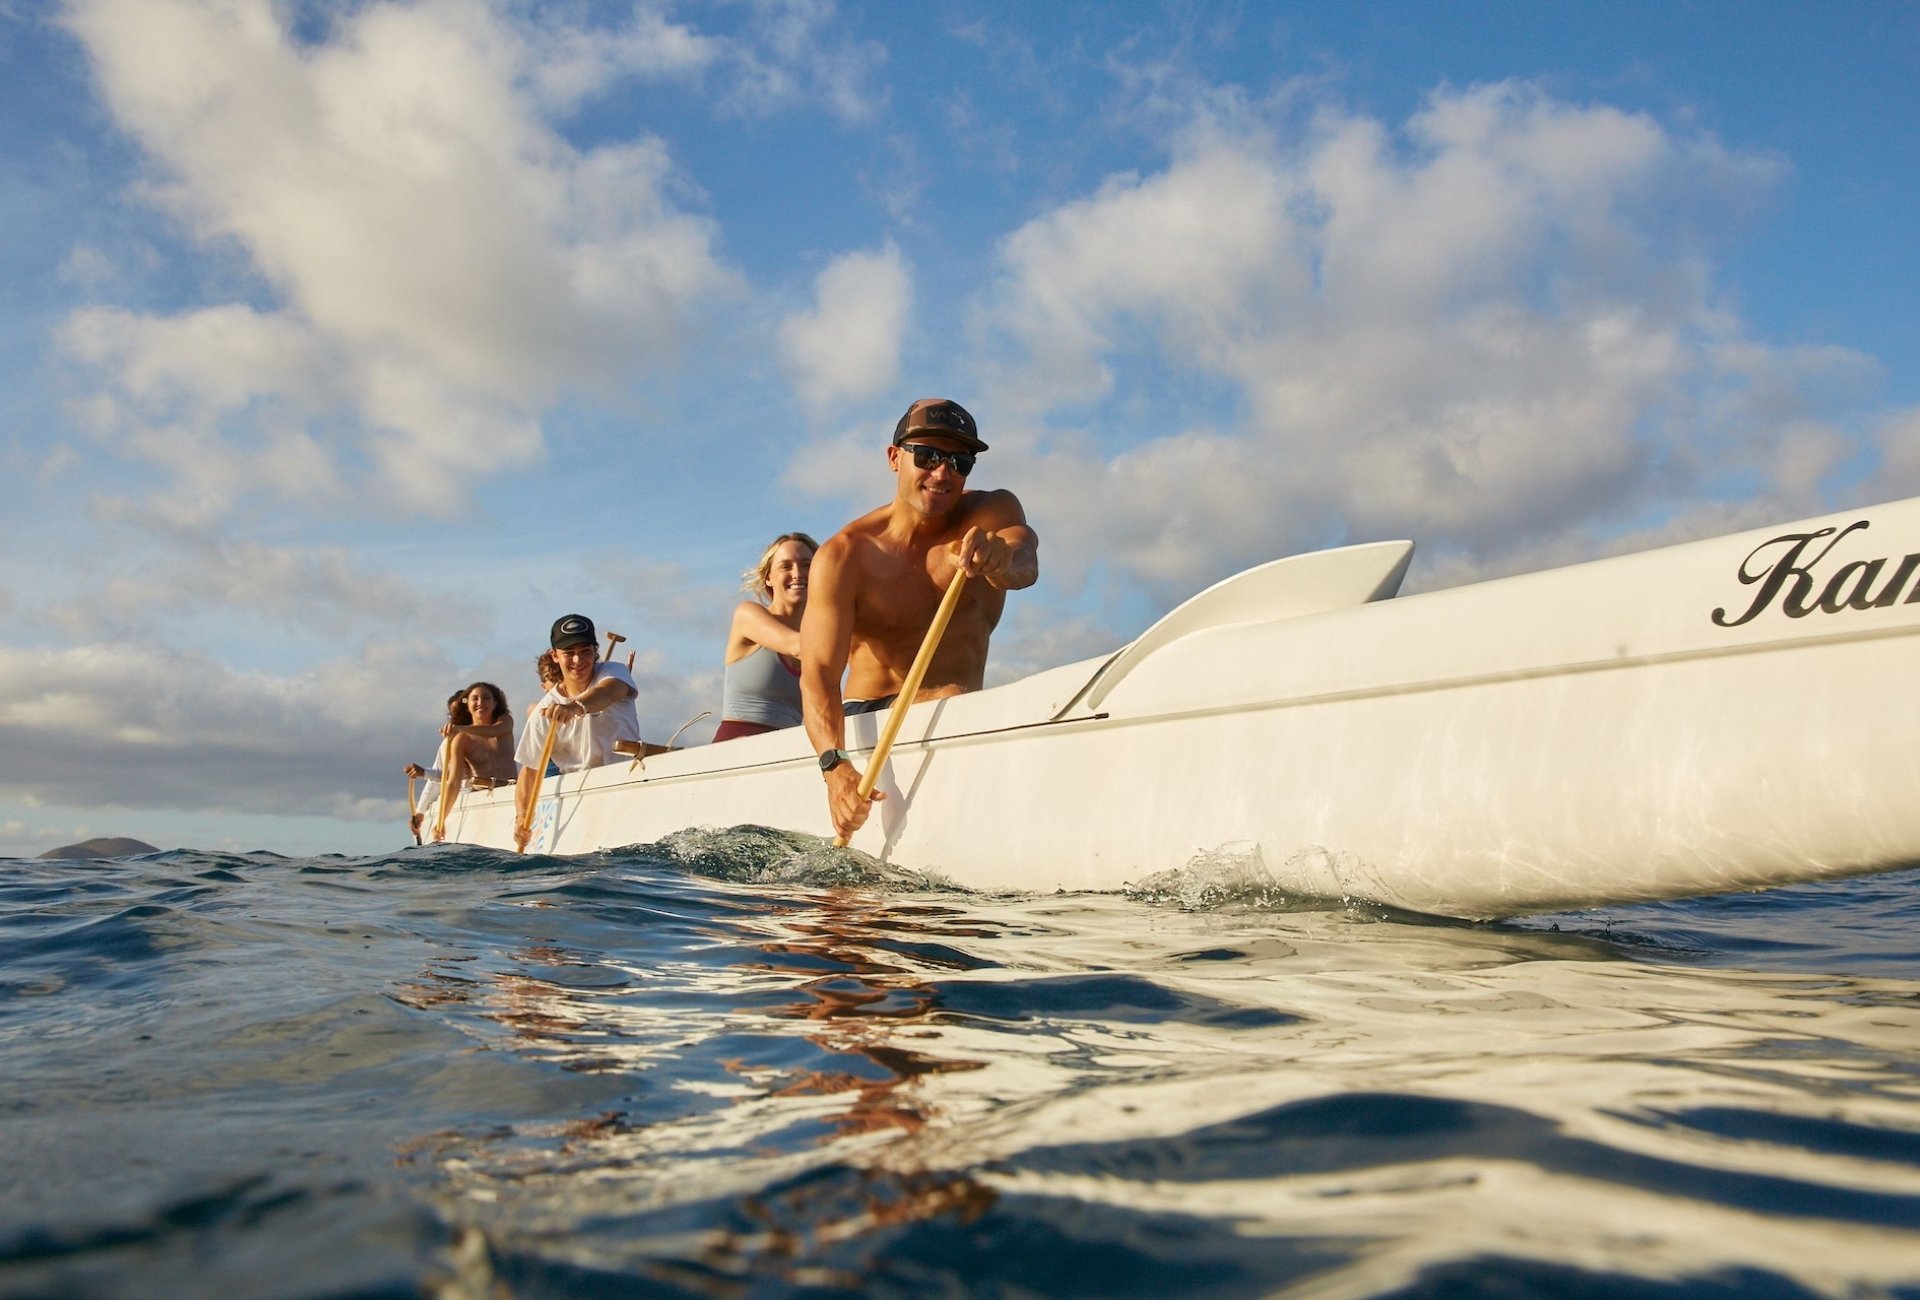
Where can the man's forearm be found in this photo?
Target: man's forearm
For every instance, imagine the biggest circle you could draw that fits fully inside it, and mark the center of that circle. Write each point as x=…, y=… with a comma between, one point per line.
x=825, y=721
x=1023, y=561
x=1023, y=570
x=602, y=695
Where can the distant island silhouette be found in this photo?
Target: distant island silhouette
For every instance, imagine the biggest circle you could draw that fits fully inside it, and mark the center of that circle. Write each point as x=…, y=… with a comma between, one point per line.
x=106, y=846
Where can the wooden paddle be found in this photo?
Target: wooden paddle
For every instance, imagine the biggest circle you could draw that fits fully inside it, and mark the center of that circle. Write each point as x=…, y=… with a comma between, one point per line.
x=446, y=791
x=412, y=825
x=897, y=715
x=539, y=775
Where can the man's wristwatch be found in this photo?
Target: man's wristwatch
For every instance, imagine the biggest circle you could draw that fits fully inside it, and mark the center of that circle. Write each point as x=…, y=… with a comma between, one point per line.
x=834, y=758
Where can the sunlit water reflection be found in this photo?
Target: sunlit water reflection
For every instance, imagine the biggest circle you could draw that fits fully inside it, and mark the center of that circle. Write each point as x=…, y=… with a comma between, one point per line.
x=740, y=1063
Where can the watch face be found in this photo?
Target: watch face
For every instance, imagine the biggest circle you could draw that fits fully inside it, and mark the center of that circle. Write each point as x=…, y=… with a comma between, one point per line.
x=831, y=759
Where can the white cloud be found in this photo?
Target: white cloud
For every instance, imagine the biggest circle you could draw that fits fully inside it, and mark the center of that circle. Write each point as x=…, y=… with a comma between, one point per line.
x=786, y=54
x=673, y=600
x=443, y=261
x=60, y=461
x=848, y=347
x=177, y=729
x=1899, y=443
x=218, y=398
x=88, y=267
x=170, y=570
x=169, y=728
x=142, y=732
x=1489, y=332
x=202, y=363
x=1199, y=249
x=573, y=63
x=850, y=463
x=791, y=55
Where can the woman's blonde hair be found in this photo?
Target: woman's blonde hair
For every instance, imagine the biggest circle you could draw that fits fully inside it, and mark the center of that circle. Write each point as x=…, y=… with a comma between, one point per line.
x=755, y=580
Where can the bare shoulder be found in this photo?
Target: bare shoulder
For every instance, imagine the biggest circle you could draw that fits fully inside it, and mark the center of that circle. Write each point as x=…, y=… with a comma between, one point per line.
x=843, y=550
x=832, y=559
x=991, y=508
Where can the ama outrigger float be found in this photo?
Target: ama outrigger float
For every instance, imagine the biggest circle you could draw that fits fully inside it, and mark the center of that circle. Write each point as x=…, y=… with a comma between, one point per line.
x=1724, y=715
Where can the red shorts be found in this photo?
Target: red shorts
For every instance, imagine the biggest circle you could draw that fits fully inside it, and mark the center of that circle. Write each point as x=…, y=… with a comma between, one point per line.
x=733, y=729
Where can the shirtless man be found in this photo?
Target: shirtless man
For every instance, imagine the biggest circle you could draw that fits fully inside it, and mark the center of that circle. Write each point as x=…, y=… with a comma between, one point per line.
x=876, y=584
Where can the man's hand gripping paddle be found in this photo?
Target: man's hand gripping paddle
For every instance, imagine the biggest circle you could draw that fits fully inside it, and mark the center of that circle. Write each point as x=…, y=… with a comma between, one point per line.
x=524, y=831
x=897, y=715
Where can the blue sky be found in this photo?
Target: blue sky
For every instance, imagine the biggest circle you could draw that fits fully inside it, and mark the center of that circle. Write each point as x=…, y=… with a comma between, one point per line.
x=346, y=345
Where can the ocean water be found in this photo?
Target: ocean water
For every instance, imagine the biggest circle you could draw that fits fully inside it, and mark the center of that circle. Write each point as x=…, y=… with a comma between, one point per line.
x=738, y=1063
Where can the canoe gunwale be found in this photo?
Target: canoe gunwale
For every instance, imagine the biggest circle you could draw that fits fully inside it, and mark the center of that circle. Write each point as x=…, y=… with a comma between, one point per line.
x=637, y=776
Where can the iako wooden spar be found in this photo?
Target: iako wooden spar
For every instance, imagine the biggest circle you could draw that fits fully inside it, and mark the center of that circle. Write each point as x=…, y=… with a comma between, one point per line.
x=1723, y=715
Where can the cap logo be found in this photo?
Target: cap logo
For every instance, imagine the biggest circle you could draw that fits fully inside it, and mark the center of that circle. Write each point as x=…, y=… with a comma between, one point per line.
x=572, y=625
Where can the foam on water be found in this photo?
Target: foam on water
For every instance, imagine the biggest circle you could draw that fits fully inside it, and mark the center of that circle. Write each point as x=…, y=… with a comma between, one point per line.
x=744, y=1062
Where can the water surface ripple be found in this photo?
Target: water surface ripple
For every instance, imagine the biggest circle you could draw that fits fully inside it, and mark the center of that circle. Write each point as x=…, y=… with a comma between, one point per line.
x=739, y=1063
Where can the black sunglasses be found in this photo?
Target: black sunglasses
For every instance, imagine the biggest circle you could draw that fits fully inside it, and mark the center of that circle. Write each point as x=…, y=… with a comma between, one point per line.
x=925, y=457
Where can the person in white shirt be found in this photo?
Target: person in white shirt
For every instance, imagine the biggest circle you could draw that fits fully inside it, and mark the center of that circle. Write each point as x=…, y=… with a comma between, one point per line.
x=591, y=707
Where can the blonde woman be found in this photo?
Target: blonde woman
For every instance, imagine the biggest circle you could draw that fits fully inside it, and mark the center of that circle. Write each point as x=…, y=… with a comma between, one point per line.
x=762, y=690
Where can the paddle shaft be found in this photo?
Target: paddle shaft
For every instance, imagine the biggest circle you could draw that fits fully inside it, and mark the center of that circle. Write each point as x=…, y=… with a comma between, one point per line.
x=897, y=715
x=446, y=789
x=539, y=775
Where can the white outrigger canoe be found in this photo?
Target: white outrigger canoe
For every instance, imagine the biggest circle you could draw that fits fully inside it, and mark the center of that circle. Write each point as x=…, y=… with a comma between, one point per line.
x=1733, y=714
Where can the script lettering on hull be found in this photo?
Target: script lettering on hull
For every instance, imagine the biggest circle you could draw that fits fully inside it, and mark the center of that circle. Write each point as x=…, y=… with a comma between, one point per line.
x=1786, y=569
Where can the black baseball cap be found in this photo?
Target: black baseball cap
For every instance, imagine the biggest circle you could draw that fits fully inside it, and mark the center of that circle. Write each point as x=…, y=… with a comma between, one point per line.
x=941, y=415
x=572, y=630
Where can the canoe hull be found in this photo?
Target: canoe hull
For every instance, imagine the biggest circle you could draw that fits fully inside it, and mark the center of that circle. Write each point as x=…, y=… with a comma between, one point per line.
x=1597, y=734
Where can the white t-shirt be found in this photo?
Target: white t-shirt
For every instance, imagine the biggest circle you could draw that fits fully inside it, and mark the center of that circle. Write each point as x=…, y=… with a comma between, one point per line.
x=582, y=742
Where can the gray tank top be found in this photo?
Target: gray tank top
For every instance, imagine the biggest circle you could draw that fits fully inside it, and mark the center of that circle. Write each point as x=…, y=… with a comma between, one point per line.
x=760, y=689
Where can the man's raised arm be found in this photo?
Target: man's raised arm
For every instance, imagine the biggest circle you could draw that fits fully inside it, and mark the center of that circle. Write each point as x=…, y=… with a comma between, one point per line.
x=600, y=696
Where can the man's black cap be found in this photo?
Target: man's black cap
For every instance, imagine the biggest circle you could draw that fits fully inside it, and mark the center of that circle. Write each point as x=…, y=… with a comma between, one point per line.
x=572, y=630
